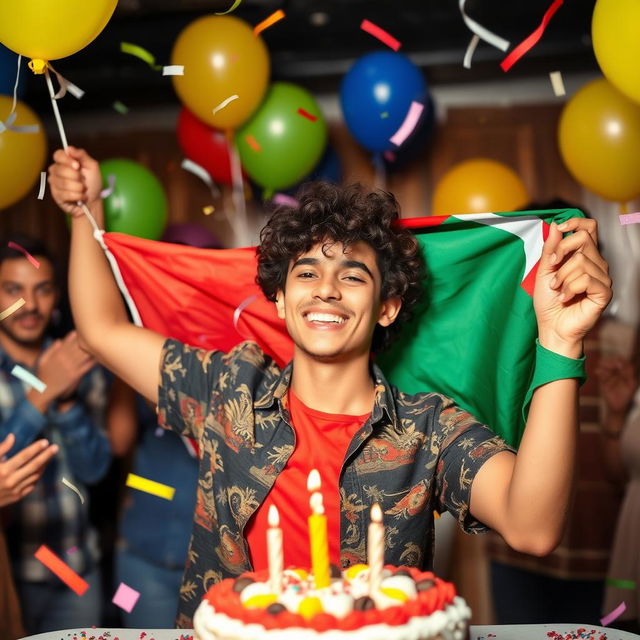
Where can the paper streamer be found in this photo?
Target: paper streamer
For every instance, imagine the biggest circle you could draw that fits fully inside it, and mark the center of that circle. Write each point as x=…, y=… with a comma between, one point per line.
x=284, y=199
x=233, y=7
x=471, y=49
x=276, y=16
x=409, y=124
x=125, y=597
x=616, y=613
x=173, y=70
x=13, y=308
x=621, y=584
x=139, y=52
x=239, y=309
x=307, y=115
x=225, y=102
x=28, y=377
x=531, y=40
x=62, y=570
x=379, y=33
x=22, y=250
x=150, y=486
x=111, y=183
x=557, y=83
x=481, y=32
x=629, y=218
x=65, y=85
x=8, y=125
x=66, y=483
x=203, y=174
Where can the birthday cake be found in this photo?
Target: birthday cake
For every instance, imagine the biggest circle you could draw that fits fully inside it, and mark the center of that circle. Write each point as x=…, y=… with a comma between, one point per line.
x=406, y=605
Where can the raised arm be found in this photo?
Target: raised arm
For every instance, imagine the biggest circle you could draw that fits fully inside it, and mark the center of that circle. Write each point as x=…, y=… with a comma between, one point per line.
x=526, y=498
x=131, y=352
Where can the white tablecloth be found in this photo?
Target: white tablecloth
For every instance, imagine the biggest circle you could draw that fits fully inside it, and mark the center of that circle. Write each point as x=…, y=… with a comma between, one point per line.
x=488, y=632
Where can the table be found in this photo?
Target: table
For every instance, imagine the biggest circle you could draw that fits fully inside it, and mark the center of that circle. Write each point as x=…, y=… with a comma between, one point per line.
x=477, y=632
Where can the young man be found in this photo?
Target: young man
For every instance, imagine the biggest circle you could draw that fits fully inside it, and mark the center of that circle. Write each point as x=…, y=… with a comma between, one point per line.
x=341, y=275
x=66, y=412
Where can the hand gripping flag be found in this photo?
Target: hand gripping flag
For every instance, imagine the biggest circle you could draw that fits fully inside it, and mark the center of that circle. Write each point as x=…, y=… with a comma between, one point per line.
x=472, y=336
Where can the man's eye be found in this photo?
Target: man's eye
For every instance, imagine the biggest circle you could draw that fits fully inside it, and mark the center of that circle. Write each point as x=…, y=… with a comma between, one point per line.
x=354, y=279
x=305, y=274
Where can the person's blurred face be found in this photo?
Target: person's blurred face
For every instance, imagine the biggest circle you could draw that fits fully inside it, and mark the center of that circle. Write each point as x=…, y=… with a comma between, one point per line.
x=20, y=279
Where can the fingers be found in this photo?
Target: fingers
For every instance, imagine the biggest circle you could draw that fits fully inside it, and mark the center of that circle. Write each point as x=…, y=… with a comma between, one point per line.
x=583, y=242
x=577, y=224
x=596, y=290
x=575, y=266
x=6, y=444
x=35, y=466
x=32, y=457
x=549, y=249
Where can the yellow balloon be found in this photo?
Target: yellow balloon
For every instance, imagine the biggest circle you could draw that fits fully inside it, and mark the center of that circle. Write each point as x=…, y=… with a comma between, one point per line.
x=222, y=58
x=22, y=155
x=48, y=30
x=479, y=185
x=615, y=27
x=599, y=138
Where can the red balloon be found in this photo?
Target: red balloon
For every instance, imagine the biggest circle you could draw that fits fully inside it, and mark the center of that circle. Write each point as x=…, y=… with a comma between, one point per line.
x=205, y=145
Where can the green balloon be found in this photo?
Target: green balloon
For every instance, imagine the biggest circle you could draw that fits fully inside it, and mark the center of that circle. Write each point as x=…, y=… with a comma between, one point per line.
x=279, y=144
x=138, y=204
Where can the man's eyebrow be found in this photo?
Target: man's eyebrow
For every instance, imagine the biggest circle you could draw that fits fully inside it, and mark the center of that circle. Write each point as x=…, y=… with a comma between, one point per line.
x=356, y=264
x=303, y=261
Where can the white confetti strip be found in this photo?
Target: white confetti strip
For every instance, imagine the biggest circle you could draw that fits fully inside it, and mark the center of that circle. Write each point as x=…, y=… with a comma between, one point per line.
x=43, y=184
x=28, y=377
x=73, y=488
x=203, y=174
x=557, y=83
x=173, y=70
x=13, y=308
x=225, y=102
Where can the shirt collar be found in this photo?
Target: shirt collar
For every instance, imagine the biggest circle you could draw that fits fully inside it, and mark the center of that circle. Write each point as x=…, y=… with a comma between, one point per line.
x=383, y=405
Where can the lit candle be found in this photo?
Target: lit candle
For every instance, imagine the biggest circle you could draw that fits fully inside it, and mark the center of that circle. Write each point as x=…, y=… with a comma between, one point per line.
x=318, y=533
x=375, y=548
x=274, y=550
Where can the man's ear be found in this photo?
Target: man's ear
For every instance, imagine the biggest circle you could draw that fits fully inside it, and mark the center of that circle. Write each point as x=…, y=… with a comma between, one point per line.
x=280, y=304
x=389, y=311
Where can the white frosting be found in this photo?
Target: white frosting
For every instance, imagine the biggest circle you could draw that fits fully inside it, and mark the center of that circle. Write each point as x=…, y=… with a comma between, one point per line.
x=450, y=623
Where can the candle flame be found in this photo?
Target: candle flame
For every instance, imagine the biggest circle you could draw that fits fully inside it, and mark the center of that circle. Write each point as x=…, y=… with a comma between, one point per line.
x=316, y=503
x=376, y=513
x=313, y=481
x=274, y=516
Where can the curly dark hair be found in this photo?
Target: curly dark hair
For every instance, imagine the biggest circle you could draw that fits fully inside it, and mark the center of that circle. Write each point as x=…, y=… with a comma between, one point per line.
x=330, y=213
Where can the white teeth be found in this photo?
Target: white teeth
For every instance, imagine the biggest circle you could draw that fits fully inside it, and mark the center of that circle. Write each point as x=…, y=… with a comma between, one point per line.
x=324, y=317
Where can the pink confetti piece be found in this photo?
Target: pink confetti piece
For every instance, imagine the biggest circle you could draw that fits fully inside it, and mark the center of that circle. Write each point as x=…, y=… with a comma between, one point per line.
x=409, y=124
x=379, y=33
x=126, y=597
x=629, y=218
x=27, y=255
x=616, y=613
x=389, y=156
x=105, y=193
x=531, y=40
x=240, y=308
x=284, y=199
x=307, y=115
x=70, y=551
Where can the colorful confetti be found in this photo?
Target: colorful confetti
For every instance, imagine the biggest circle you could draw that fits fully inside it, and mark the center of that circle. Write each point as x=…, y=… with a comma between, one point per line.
x=436, y=515
x=240, y=308
x=531, y=40
x=139, y=52
x=616, y=613
x=409, y=124
x=150, y=486
x=111, y=183
x=233, y=7
x=70, y=551
x=379, y=33
x=125, y=597
x=120, y=107
x=276, y=16
x=66, y=483
x=43, y=184
x=557, y=83
x=621, y=584
x=253, y=143
x=629, y=218
x=208, y=210
x=27, y=255
x=28, y=377
x=13, y=308
x=61, y=569
x=225, y=102
x=173, y=70
x=284, y=199
x=307, y=115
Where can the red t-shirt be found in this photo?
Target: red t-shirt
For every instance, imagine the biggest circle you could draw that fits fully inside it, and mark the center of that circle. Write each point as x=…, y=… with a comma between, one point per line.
x=322, y=440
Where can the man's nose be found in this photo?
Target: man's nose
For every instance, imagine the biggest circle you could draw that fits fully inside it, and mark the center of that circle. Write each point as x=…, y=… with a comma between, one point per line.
x=327, y=289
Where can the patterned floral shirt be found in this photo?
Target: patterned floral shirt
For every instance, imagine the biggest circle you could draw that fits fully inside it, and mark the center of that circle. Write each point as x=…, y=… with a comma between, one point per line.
x=415, y=454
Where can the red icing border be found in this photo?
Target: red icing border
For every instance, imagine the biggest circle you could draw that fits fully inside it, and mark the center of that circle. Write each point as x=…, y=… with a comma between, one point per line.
x=224, y=600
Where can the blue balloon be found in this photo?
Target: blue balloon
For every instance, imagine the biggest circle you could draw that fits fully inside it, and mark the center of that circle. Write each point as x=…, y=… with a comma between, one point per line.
x=376, y=95
x=8, y=70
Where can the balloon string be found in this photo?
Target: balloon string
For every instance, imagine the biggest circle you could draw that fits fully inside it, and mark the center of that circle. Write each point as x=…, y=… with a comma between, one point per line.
x=65, y=144
x=7, y=124
x=239, y=203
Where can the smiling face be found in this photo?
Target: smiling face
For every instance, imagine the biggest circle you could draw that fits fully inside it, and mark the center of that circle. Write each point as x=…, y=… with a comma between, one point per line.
x=331, y=303
x=20, y=279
